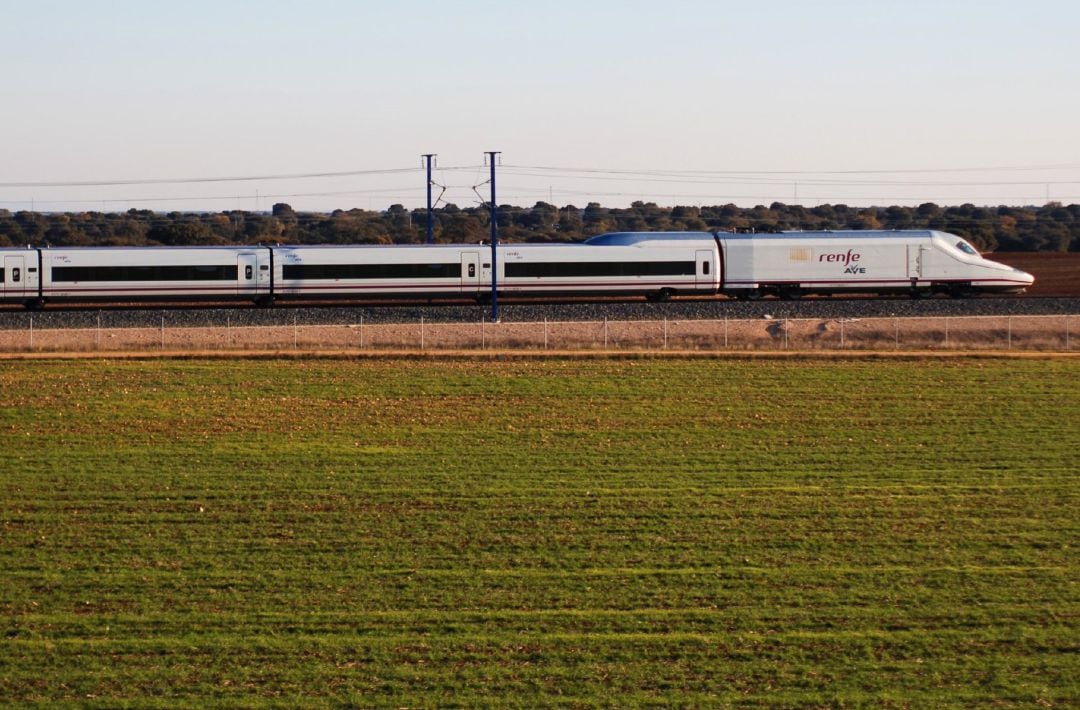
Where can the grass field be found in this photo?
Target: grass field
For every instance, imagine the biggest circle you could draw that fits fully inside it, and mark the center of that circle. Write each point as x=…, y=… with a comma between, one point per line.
x=540, y=531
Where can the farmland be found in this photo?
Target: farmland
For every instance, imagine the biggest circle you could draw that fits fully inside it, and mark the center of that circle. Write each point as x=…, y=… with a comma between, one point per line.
x=523, y=531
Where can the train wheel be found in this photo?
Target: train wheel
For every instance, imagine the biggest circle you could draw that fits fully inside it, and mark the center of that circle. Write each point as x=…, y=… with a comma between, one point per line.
x=790, y=293
x=34, y=304
x=962, y=291
x=920, y=293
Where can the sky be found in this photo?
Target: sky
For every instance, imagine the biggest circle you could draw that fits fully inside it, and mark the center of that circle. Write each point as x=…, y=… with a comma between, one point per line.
x=677, y=102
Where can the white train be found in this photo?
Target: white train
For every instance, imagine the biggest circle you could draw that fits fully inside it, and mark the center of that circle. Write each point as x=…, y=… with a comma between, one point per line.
x=654, y=264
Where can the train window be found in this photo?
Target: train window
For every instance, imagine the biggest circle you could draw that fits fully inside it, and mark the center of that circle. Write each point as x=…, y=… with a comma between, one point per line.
x=705, y=268
x=564, y=269
x=1, y=276
x=313, y=272
x=15, y=275
x=200, y=272
x=966, y=248
x=472, y=270
x=248, y=272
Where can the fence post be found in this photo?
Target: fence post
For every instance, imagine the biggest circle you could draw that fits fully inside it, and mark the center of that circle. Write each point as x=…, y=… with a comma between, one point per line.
x=898, y=333
x=946, y=332
x=483, y=334
x=228, y=331
x=97, y=336
x=545, y=333
x=785, y=334
x=361, y=332
x=162, y=331
x=725, y=333
x=295, y=328
x=1066, y=333
x=31, y=332
x=1010, y=332
x=841, y=333
x=665, y=332
x=421, y=332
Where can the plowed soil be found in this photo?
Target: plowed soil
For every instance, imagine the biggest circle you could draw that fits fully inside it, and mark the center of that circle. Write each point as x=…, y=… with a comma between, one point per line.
x=1055, y=274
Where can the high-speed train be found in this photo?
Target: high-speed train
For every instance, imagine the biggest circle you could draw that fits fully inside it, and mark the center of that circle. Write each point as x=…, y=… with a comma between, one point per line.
x=657, y=265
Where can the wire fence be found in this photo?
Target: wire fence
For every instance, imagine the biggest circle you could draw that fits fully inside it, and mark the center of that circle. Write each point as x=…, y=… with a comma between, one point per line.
x=1035, y=333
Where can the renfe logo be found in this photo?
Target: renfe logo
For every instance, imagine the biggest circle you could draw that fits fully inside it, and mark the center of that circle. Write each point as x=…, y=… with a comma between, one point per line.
x=845, y=259
x=849, y=259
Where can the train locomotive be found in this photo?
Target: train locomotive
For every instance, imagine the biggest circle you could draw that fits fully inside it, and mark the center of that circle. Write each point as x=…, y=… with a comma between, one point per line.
x=657, y=265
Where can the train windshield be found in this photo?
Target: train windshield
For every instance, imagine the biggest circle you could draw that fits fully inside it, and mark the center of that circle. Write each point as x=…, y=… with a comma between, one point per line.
x=966, y=248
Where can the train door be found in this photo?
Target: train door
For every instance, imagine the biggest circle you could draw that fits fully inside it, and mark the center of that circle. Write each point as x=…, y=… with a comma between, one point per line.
x=485, y=270
x=15, y=277
x=264, y=278
x=915, y=254
x=470, y=272
x=706, y=271
x=248, y=268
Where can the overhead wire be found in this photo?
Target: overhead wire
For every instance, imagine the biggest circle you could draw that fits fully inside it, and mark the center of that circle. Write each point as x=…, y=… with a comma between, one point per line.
x=1010, y=168
x=184, y=181
x=720, y=178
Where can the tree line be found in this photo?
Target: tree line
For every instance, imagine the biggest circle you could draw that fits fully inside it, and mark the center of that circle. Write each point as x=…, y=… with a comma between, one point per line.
x=1050, y=227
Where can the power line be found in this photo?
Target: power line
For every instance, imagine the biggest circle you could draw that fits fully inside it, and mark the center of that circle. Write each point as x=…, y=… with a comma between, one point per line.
x=800, y=181
x=184, y=181
x=729, y=185
x=674, y=173
x=546, y=170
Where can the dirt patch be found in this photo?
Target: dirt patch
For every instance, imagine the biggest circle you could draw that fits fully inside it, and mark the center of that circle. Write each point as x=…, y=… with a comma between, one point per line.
x=1056, y=274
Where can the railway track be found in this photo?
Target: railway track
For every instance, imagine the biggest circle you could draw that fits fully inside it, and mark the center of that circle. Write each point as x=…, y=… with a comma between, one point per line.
x=214, y=315
x=504, y=301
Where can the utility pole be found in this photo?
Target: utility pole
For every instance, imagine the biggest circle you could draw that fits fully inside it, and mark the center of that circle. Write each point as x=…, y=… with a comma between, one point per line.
x=428, y=157
x=494, y=242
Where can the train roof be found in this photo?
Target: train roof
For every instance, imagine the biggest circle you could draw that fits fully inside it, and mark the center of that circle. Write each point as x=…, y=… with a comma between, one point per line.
x=631, y=238
x=841, y=234
x=149, y=247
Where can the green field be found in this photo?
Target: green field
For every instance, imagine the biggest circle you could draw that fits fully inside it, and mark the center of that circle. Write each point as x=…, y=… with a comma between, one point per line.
x=540, y=531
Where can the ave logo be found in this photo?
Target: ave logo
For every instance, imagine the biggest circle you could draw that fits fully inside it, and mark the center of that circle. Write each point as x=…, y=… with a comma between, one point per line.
x=850, y=260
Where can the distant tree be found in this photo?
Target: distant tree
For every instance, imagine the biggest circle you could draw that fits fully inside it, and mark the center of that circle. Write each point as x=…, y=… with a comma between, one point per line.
x=596, y=219
x=570, y=224
x=897, y=217
x=686, y=219
x=33, y=226
x=10, y=231
x=1052, y=226
x=463, y=228
x=128, y=231
x=398, y=223
x=866, y=219
x=180, y=233
x=541, y=218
